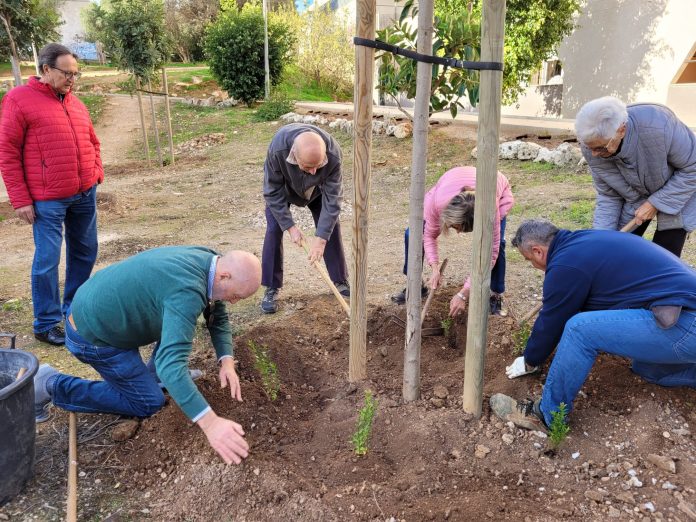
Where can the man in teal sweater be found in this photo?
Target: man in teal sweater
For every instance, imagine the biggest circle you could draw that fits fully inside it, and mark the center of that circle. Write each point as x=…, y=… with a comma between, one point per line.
x=155, y=296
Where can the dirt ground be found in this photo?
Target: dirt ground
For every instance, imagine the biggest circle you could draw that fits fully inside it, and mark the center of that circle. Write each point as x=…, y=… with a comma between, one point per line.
x=427, y=460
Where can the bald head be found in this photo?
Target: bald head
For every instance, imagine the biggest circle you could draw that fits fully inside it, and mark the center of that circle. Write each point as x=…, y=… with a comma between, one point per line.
x=237, y=276
x=310, y=151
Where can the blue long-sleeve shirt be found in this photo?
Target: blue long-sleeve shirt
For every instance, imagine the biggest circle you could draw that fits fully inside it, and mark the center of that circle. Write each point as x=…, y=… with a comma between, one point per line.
x=604, y=270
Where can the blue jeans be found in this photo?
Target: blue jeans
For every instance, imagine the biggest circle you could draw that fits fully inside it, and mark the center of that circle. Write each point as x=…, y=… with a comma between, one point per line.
x=128, y=388
x=498, y=271
x=79, y=215
x=661, y=356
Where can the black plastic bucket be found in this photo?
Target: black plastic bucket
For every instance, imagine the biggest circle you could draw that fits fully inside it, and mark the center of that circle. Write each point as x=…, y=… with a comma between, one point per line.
x=17, y=424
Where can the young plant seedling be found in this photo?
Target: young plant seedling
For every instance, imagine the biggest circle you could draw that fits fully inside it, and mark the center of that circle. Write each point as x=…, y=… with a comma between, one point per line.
x=520, y=338
x=364, y=426
x=446, y=326
x=267, y=369
x=558, y=431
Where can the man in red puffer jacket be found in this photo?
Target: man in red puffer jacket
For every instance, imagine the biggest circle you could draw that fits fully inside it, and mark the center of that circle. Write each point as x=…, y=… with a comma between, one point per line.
x=50, y=163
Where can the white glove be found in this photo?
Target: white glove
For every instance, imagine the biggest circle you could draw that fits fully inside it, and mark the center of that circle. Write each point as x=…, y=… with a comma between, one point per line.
x=519, y=368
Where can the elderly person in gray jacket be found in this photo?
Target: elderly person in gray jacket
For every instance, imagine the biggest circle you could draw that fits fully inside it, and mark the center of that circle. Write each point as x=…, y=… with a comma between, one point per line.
x=302, y=168
x=643, y=163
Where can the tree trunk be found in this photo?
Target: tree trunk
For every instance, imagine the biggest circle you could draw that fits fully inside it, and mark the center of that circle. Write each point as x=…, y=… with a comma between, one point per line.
x=14, y=56
x=412, y=351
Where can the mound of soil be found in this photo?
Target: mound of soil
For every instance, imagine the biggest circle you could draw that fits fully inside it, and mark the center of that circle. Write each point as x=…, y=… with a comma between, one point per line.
x=427, y=460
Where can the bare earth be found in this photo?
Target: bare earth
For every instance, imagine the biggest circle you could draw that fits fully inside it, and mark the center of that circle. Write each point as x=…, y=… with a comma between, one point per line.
x=427, y=460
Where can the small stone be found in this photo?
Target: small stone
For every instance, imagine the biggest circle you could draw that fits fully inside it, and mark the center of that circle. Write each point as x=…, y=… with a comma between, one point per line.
x=383, y=350
x=662, y=462
x=575, y=455
x=3, y=516
x=508, y=438
x=668, y=485
x=481, y=451
x=596, y=495
x=665, y=434
x=626, y=497
x=634, y=482
x=613, y=512
x=125, y=430
x=440, y=391
x=687, y=509
x=438, y=403
x=257, y=471
x=649, y=506
x=456, y=454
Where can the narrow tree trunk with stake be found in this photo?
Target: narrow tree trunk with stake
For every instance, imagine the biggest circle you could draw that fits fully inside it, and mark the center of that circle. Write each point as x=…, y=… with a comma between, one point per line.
x=492, y=33
x=155, y=130
x=412, y=353
x=168, y=115
x=362, y=171
x=36, y=59
x=143, y=126
x=267, y=69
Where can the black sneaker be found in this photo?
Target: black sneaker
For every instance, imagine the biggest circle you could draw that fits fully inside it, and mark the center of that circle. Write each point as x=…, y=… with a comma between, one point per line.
x=54, y=336
x=496, y=304
x=343, y=288
x=400, y=298
x=269, y=303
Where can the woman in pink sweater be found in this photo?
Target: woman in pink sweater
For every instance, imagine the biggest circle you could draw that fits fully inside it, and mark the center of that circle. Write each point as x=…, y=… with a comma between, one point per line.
x=450, y=204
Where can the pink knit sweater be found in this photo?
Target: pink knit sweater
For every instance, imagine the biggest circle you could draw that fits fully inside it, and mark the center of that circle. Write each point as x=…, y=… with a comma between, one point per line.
x=437, y=198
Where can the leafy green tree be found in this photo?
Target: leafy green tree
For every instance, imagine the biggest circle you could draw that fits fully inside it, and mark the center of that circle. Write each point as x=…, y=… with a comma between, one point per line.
x=133, y=34
x=533, y=30
x=235, y=51
x=186, y=21
x=23, y=22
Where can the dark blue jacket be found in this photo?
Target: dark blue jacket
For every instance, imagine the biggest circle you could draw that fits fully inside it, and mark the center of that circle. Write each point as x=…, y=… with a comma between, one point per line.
x=604, y=270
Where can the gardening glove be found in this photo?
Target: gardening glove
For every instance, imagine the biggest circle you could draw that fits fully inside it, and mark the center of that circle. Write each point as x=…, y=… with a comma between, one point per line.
x=519, y=368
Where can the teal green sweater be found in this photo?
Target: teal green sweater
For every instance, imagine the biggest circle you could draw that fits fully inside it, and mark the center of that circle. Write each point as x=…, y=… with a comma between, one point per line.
x=156, y=295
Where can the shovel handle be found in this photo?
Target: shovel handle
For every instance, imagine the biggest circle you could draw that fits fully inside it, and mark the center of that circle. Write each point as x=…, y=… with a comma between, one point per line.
x=20, y=373
x=431, y=292
x=630, y=226
x=327, y=278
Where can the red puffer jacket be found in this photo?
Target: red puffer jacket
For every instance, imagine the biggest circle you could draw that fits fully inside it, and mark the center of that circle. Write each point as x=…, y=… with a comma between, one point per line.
x=48, y=148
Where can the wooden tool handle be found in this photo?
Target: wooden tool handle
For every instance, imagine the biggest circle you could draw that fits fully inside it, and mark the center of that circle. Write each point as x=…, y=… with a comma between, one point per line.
x=630, y=226
x=20, y=373
x=431, y=292
x=327, y=278
x=72, y=469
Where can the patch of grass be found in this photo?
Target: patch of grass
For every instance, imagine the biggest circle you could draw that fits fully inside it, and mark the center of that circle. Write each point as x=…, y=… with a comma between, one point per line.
x=267, y=369
x=189, y=121
x=13, y=305
x=363, y=428
x=559, y=429
x=298, y=87
x=95, y=105
x=576, y=215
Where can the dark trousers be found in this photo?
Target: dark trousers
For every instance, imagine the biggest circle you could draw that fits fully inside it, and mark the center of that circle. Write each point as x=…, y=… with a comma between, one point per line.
x=498, y=271
x=272, y=255
x=672, y=240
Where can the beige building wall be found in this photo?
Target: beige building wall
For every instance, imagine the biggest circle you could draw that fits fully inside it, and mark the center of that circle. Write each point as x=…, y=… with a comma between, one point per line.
x=70, y=12
x=630, y=49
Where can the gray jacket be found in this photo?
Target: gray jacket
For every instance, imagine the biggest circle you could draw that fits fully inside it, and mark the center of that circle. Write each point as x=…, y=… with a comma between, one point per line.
x=285, y=183
x=656, y=162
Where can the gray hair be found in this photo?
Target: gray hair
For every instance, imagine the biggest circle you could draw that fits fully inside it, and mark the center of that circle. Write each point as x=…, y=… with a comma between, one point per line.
x=459, y=212
x=534, y=232
x=600, y=119
x=49, y=54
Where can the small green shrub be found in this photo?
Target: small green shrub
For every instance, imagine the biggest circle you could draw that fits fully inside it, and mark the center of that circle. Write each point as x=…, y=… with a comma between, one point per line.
x=520, y=338
x=12, y=305
x=267, y=369
x=274, y=108
x=363, y=428
x=234, y=45
x=559, y=429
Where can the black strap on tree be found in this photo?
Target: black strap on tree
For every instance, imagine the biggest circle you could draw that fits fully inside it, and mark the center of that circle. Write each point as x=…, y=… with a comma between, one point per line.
x=418, y=57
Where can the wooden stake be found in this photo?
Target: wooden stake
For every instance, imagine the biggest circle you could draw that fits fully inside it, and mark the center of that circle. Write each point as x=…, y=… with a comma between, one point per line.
x=143, y=126
x=168, y=115
x=492, y=32
x=154, y=124
x=72, y=469
x=325, y=275
x=419, y=158
x=362, y=172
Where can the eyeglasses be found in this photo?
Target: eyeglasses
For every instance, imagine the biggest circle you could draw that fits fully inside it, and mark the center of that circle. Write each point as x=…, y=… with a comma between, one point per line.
x=610, y=147
x=68, y=75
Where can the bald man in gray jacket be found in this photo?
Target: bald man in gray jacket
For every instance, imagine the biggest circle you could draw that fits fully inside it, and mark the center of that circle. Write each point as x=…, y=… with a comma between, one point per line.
x=643, y=163
x=302, y=168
